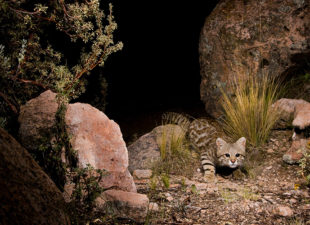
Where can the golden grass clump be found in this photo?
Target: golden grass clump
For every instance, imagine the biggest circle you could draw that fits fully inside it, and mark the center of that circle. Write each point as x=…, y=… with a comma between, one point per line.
x=176, y=158
x=249, y=113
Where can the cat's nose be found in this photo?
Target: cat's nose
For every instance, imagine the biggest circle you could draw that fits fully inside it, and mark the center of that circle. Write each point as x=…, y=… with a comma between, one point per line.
x=233, y=160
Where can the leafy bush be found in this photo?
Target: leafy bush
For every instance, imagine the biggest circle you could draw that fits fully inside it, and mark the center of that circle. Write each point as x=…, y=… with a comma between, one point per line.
x=249, y=112
x=85, y=192
x=51, y=45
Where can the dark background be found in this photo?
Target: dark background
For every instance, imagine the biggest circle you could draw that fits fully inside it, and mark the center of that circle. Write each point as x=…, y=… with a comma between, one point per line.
x=158, y=68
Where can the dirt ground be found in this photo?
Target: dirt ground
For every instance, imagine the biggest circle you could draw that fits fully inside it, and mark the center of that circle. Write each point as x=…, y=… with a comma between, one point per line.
x=271, y=193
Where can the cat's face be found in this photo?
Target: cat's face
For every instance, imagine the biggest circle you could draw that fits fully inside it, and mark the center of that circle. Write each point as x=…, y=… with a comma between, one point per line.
x=230, y=155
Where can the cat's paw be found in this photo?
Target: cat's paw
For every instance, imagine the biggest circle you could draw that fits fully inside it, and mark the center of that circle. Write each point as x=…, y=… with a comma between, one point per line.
x=209, y=178
x=238, y=174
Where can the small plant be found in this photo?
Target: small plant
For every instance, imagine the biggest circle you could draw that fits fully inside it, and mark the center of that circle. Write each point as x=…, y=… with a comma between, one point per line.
x=228, y=196
x=175, y=156
x=194, y=189
x=304, y=164
x=297, y=221
x=86, y=190
x=247, y=194
x=166, y=180
x=249, y=113
x=153, y=183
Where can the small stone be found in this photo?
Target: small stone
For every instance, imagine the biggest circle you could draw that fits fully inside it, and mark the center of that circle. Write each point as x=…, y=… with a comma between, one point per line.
x=270, y=150
x=292, y=200
x=269, y=168
x=305, y=194
x=127, y=204
x=142, y=174
x=285, y=211
x=169, y=197
x=174, y=186
x=153, y=206
x=283, y=149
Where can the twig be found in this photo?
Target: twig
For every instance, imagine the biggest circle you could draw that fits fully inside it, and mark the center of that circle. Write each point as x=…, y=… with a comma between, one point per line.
x=11, y=105
x=32, y=82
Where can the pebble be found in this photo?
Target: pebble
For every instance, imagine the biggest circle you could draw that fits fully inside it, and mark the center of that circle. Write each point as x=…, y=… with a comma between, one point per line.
x=169, y=197
x=142, y=174
x=270, y=150
x=153, y=206
x=292, y=200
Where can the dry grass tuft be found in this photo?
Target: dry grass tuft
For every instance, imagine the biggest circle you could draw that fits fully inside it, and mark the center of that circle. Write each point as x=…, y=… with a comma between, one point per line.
x=176, y=158
x=249, y=112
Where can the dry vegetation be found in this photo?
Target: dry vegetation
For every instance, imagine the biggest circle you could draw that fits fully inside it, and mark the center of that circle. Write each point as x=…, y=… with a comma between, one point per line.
x=249, y=113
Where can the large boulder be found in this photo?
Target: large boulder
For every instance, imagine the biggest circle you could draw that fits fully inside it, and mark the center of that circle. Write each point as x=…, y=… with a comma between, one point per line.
x=27, y=194
x=97, y=140
x=242, y=37
x=37, y=120
x=146, y=150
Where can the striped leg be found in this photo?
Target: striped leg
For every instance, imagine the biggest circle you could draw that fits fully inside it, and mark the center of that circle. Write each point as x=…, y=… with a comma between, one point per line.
x=208, y=168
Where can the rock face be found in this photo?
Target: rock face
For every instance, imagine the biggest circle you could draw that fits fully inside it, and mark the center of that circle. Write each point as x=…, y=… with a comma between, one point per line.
x=288, y=110
x=127, y=205
x=297, y=150
x=145, y=151
x=302, y=116
x=37, y=119
x=240, y=37
x=99, y=142
x=295, y=112
x=27, y=194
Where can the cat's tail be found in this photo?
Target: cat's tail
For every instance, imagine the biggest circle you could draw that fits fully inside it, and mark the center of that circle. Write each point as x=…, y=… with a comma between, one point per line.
x=183, y=120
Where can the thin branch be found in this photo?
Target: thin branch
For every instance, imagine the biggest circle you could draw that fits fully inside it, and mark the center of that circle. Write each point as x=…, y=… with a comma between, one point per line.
x=10, y=104
x=32, y=82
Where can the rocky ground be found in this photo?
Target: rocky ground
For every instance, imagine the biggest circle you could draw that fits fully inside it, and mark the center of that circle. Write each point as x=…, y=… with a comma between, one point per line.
x=272, y=193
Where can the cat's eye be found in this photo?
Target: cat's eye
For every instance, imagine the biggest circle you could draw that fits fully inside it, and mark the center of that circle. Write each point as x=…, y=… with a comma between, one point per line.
x=227, y=155
x=237, y=155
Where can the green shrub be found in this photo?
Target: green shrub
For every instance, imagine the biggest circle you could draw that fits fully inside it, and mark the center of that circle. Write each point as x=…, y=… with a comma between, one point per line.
x=304, y=164
x=33, y=60
x=249, y=113
x=86, y=190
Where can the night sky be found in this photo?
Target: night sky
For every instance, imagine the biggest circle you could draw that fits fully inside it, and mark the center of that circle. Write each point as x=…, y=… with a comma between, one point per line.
x=158, y=67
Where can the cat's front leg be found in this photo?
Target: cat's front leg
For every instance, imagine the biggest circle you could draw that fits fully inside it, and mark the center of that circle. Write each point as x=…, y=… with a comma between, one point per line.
x=209, y=174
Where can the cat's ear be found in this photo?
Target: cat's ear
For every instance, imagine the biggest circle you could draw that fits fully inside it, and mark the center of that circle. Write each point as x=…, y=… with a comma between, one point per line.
x=241, y=142
x=220, y=142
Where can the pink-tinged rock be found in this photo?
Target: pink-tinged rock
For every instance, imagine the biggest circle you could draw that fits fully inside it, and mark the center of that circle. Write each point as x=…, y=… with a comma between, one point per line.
x=99, y=142
x=302, y=116
x=142, y=174
x=127, y=204
x=296, y=151
x=27, y=194
x=282, y=210
x=37, y=120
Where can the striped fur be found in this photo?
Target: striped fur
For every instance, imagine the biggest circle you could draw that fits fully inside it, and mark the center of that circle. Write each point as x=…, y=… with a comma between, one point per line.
x=215, y=152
